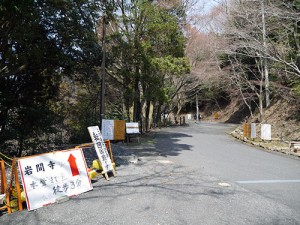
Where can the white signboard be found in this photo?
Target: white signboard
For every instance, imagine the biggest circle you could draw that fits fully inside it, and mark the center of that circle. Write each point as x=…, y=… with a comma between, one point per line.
x=253, y=130
x=51, y=176
x=100, y=148
x=189, y=116
x=108, y=129
x=266, y=132
x=132, y=128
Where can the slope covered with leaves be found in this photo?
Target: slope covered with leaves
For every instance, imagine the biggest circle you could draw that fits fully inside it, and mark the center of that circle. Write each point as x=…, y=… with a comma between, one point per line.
x=284, y=117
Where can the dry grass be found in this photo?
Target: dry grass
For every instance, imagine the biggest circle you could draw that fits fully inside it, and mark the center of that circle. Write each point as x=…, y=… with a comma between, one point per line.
x=282, y=115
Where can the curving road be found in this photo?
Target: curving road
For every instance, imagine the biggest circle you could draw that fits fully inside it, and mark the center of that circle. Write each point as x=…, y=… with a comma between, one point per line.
x=195, y=174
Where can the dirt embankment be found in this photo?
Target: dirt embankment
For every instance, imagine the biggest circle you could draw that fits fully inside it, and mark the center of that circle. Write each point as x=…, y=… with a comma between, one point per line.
x=283, y=116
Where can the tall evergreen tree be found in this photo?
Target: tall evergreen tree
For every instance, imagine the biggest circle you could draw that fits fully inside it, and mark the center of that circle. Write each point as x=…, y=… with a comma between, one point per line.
x=40, y=41
x=148, y=36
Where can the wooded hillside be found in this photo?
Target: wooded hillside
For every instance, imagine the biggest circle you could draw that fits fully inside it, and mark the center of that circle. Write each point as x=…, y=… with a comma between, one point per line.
x=248, y=57
x=154, y=56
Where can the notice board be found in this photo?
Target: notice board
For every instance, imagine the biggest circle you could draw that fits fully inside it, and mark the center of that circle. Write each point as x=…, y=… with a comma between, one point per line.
x=51, y=176
x=266, y=132
x=113, y=130
x=119, y=130
x=107, y=129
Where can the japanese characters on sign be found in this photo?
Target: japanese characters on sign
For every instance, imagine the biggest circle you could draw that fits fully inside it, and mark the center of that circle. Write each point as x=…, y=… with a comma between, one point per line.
x=50, y=176
x=113, y=130
x=108, y=129
x=100, y=148
x=132, y=128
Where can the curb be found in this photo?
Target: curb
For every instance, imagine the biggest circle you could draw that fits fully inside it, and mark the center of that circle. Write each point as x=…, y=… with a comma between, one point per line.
x=281, y=149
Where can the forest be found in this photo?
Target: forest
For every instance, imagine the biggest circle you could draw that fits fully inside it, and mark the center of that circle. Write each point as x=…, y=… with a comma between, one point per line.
x=65, y=65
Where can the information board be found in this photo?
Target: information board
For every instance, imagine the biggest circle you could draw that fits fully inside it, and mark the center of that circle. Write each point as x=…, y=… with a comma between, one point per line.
x=132, y=128
x=51, y=176
x=108, y=129
x=113, y=130
x=119, y=130
x=100, y=148
x=266, y=132
x=253, y=130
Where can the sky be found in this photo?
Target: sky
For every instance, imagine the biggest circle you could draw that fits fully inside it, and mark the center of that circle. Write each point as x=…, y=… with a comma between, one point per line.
x=202, y=6
x=197, y=12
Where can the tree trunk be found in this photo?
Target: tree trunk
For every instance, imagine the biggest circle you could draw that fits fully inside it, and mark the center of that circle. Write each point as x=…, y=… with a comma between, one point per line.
x=260, y=99
x=137, y=103
x=21, y=146
x=148, y=103
x=158, y=115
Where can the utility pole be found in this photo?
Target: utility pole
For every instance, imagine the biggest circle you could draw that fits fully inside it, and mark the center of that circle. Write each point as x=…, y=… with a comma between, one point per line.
x=265, y=62
x=197, y=108
x=102, y=99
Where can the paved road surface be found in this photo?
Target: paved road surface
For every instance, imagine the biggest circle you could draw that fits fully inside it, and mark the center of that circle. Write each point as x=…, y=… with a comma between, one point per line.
x=185, y=175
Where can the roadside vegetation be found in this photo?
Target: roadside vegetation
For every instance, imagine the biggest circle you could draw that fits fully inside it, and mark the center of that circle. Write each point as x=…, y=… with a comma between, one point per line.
x=241, y=58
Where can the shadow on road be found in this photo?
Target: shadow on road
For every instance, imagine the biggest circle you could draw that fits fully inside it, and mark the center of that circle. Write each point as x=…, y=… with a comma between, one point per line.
x=160, y=143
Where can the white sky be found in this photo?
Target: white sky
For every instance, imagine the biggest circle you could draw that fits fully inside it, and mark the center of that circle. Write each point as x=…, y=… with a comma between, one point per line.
x=198, y=10
x=202, y=6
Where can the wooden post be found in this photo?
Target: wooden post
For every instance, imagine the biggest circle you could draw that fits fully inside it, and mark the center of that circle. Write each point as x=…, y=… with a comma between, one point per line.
x=106, y=176
x=108, y=146
x=14, y=172
x=3, y=177
x=4, y=189
x=247, y=130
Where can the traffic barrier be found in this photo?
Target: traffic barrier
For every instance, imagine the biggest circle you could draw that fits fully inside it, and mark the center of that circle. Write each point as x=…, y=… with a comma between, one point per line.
x=92, y=173
x=50, y=177
x=11, y=194
x=97, y=165
x=4, y=191
x=14, y=188
x=3, y=157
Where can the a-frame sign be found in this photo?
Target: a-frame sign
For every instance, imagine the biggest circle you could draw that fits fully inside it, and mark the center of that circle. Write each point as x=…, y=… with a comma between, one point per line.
x=101, y=150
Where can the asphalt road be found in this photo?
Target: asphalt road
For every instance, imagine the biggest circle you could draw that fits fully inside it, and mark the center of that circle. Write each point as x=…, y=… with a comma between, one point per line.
x=195, y=174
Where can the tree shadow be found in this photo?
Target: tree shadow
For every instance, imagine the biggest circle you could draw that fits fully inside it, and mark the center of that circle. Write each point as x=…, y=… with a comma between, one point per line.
x=173, y=181
x=167, y=144
x=163, y=143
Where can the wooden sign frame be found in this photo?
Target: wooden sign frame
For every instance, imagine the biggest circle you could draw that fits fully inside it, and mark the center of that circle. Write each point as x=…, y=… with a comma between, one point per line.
x=107, y=144
x=101, y=151
x=4, y=189
x=8, y=190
